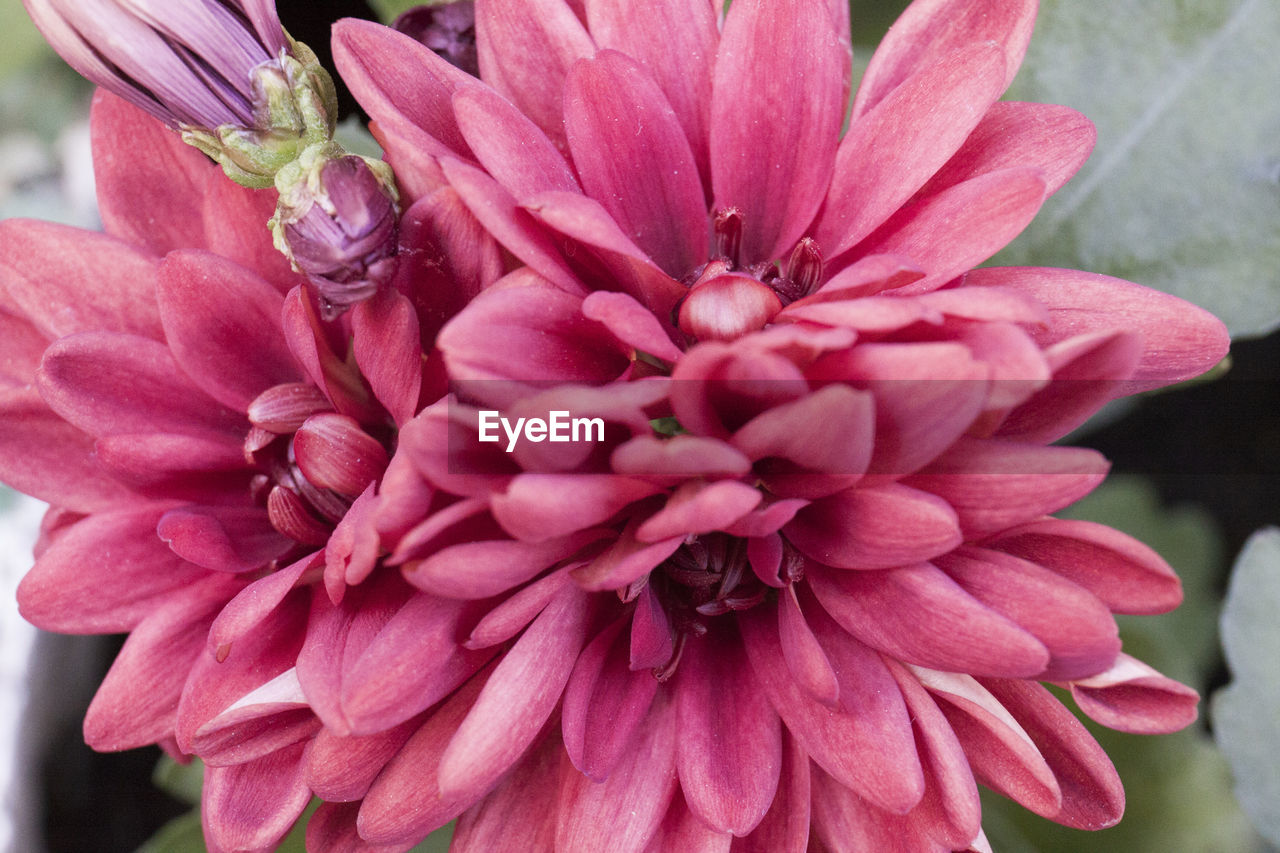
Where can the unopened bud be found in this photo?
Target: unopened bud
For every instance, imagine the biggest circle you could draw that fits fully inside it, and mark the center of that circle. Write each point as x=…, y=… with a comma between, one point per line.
x=336, y=221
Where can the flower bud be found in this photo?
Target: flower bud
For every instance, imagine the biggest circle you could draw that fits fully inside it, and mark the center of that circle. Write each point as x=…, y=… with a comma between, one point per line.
x=336, y=221
x=449, y=29
x=221, y=72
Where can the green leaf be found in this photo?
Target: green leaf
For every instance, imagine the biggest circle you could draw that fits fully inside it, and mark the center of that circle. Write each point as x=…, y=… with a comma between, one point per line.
x=180, y=835
x=1246, y=713
x=1183, y=191
x=180, y=781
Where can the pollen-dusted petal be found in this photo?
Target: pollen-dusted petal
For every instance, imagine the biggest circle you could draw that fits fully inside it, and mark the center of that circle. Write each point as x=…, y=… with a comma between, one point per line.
x=631, y=323
x=923, y=122
x=875, y=528
x=537, y=507
x=772, y=153
x=210, y=308
x=1123, y=573
x=806, y=661
x=510, y=147
x=1092, y=795
x=520, y=814
x=729, y=754
x=525, y=48
x=1074, y=626
x=43, y=267
x=994, y=484
x=251, y=806
x=867, y=743
x=1180, y=340
x=146, y=201
x=634, y=158
x=70, y=589
x=517, y=699
x=785, y=827
x=623, y=812
x=388, y=349
x=950, y=809
x=1132, y=697
x=960, y=227
x=696, y=508
x=225, y=539
x=1055, y=139
x=932, y=28
x=919, y=615
x=605, y=702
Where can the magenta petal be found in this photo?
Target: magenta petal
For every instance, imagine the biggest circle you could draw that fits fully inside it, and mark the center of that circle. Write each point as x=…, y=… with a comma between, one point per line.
x=729, y=754
x=678, y=457
x=1180, y=340
x=472, y=570
x=995, y=484
x=516, y=611
x=334, y=452
x=537, y=507
x=623, y=812
x=842, y=820
x=526, y=48
x=932, y=28
x=696, y=508
x=162, y=460
x=210, y=308
x=634, y=158
x=249, y=807
x=604, y=703
x=387, y=348
x=806, y=661
x=1092, y=795
x=509, y=146
x=830, y=431
x=332, y=828
x=253, y=603
x=772, y=153
x=923, y=122
x=919, y=615
x=233, y=221
x=342, y=769
x=520, y=814
x=71, y=590
x=1133, y=697
x=625, y=561
x=497, y=731
x=225, y=539
x=1124, y=574
x=875, y=528
x=146, y=202
x=785, y=828
x=683, y=829
x=652, y=640
x=867, y=743
x=66, y=280
x=631, y=323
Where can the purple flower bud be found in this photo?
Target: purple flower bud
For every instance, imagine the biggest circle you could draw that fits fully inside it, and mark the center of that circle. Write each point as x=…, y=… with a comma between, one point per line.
x=337, y=222
x=449, y=29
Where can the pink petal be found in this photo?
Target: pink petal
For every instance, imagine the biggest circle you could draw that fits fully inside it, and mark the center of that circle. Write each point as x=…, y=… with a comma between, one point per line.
x=65, y=280
x=473, y=570
x=923, y=123
x=785, y=828
x=806, y=661
x=995, y=484
x=251, y=806
x=867, y=743
x=255, y=602
x=729, y=753
x=386, y=343
x=625, y=561
x=537, y=507
x=919, y=615
x=772, y=153
x=652, y=640
x=1057, y=140
x=631, y=323
x=164, y=464
x=353, y=548
x=1180, y=340
x=930, y=29
x=342, y=768
x=960, y=227
x=526, y=48
x=72, y=591
x=1133, y=697
x=680, y=456
x=269, y=717
x=211, y=309
x=682, y=829
x=1123, y=573
x=875, y=528
x=147, y=202
x=829, y=431
x=225, y=539
x=866, y=276
x=332, y=828
x=334, y=452
x=520, y=814
x=696, y=508
x=1092, y=796
x=676, y=43
x=516, y=611
x=842, y=820
x=604, y=704
x=518, y=698
x=623, y=812
x=510, y=147
x=634, y=158
x=727, y=307
x=234, y=217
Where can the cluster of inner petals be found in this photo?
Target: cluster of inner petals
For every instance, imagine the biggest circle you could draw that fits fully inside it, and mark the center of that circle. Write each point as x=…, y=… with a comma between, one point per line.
x=728, y=299
x=312, y=461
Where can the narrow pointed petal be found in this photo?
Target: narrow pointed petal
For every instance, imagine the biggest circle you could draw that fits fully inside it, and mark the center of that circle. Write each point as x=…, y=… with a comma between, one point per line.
x=875, y=528
x=806, y=661
x=634, y=158
x=923, y=122
x=626, y=560
x=537, y=507
x=516, y=611
x=729, y=754
x=785, y=828
x=932, y=28
x=1133, y=697
x=387, y=348
x=772, y=153
x=696, y=508
x=520, y=814
x=473, y=570
x=249, y=807
x=631, y=323
x=509, y=146
x=919, y=615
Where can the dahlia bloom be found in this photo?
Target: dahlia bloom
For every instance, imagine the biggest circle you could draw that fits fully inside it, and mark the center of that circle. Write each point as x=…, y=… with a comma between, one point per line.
x=802, y=589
